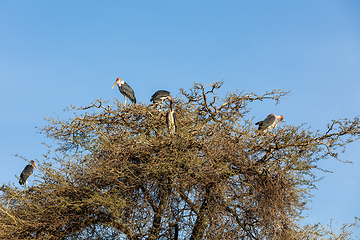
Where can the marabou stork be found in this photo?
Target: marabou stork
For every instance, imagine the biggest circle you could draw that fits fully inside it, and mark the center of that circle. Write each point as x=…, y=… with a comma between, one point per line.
x=160, y=96
x=25, y=174
x=270, y=122
x=125, y=90
x=171, y=119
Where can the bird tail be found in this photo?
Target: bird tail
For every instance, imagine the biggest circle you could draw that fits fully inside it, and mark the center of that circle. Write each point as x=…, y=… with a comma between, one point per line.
x=21, y=181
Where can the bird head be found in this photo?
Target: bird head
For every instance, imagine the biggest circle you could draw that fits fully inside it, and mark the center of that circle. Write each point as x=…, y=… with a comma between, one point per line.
x=278, y=119
x=118, y=80
x=171, y=100
x=33, y=164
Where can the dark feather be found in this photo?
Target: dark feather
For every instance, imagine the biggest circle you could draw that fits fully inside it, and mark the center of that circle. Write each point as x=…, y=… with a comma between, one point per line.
x=128, y=92
x=25, y=174
x=159, y=96
x=270, y=119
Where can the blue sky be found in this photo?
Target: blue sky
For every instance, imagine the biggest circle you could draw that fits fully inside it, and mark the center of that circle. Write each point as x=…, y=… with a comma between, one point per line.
x=57, y=53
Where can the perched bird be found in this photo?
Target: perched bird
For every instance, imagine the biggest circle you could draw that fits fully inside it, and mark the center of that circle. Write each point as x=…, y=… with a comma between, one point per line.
x=171, y=118
x=125, y=90
x=270, y=122
x=160, y=96
x=25, y=174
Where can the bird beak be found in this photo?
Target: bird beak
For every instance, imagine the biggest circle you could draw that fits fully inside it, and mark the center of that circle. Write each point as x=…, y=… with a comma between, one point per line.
x=114, y=85
x=35, y=166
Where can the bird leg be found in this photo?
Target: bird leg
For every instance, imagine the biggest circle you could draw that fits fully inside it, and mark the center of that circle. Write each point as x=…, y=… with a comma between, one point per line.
x=156, y=105
x=125, y=101
x=161, y=104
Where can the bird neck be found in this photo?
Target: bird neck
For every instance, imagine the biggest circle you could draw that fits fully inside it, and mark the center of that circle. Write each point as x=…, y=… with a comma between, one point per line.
x=171, y=106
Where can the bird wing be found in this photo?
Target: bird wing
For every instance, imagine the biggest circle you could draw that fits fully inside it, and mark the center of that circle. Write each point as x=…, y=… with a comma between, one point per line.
x=28, y=170
x=154, y=96
x=267, y=122
x=158, y=94
x=128, y=92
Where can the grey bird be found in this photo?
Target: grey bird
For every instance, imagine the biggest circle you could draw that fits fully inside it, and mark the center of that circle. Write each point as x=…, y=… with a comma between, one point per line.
x=25, y=174
x=125, y=90
x=270, y=122
x=160, y=96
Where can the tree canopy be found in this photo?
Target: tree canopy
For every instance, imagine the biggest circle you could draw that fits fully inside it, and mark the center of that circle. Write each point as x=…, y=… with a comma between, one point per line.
x=117, y=173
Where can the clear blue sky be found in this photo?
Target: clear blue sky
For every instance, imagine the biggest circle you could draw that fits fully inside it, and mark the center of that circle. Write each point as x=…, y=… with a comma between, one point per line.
x=57, y=53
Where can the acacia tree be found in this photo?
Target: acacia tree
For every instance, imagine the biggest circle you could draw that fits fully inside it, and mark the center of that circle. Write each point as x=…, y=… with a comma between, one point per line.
x=117, y=173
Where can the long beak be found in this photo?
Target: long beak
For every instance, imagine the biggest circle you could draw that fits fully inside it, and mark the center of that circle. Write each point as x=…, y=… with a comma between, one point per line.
x=278, y=120
x=114, y=85
x=35, y=166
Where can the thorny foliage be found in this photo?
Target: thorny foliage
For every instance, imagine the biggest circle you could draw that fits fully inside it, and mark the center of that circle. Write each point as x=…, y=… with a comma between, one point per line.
x=119, y=174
